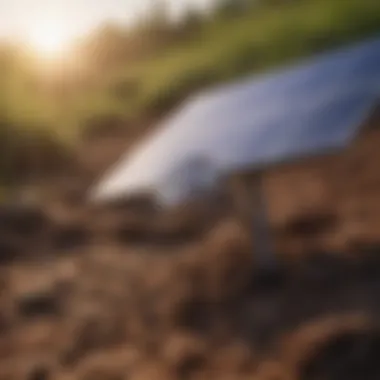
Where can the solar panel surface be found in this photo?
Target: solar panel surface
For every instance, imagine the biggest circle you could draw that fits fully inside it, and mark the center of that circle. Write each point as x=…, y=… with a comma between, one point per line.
x=301, y=111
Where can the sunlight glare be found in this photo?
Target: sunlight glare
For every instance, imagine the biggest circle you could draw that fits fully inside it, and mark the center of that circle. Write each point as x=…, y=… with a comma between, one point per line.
x=49, y=39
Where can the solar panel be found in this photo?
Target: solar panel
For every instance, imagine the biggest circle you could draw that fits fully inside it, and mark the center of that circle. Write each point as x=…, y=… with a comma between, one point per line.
x=306, y=110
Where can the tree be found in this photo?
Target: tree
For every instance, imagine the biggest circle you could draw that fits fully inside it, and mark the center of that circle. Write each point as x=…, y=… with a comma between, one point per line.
x=107, y=47
x=158, y=19
x=191, y=20
x=227, y=8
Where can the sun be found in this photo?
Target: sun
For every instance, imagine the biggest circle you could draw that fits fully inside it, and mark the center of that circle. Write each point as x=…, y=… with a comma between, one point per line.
x=49, y=40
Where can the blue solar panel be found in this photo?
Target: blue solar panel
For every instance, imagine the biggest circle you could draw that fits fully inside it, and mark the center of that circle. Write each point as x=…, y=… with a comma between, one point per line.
x=260, y=121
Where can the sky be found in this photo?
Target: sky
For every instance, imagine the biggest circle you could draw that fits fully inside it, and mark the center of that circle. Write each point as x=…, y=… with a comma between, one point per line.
x=19, y=18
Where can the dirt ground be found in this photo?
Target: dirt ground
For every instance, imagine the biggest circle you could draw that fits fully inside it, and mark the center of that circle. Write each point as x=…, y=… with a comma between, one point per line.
x=114, y=294
x=86, y=296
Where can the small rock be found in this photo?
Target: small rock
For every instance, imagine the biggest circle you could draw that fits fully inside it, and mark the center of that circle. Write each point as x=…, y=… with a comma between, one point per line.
x=22, y=220
x=69, y=237
x=37, y=304
x=39, y=373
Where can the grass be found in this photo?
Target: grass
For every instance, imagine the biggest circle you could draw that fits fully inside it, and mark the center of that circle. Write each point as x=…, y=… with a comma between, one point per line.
x=257, y=41
x=222, y=49
x=226, y=49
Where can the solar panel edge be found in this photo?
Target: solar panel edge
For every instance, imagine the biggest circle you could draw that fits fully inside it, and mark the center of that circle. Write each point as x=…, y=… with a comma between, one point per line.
x=279, y=71
x=194, y=100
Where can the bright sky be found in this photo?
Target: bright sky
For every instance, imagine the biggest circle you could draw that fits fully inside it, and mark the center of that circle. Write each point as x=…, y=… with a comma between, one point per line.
x=21, y=18
x=49, y=27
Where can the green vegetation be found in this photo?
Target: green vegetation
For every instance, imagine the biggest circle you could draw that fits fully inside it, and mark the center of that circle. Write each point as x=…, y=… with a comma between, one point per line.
x=226, y=49
x=143, y=72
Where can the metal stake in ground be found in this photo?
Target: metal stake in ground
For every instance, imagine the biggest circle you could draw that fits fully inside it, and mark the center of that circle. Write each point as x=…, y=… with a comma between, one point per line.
x=249, y=199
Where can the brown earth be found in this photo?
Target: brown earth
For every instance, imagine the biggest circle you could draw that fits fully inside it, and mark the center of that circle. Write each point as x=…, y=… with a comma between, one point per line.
x=113, y=293
x=89, y=306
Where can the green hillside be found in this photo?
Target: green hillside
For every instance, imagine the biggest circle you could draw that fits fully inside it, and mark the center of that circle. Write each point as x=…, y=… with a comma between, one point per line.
x=141, y=73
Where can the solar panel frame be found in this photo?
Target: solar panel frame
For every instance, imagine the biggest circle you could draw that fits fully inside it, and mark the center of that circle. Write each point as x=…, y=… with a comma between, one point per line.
x=352, y=101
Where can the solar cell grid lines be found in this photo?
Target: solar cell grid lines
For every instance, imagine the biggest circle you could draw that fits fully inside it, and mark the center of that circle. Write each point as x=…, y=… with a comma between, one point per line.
x=304, y=110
